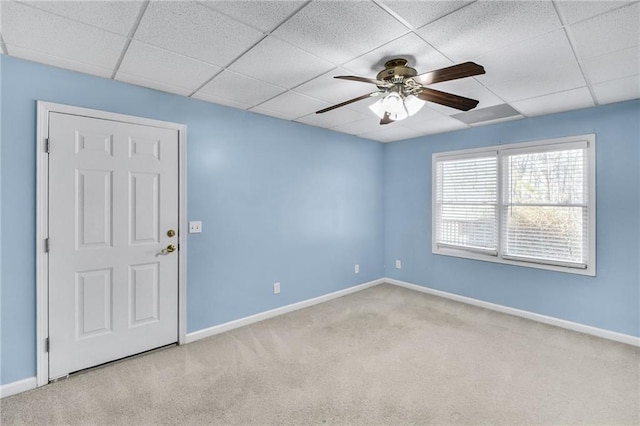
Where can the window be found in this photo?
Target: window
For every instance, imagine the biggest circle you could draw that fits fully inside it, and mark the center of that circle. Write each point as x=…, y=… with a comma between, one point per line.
x=529, y=204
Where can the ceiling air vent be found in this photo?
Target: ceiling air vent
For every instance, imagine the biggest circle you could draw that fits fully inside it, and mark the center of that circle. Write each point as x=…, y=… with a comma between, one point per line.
x=487, y=115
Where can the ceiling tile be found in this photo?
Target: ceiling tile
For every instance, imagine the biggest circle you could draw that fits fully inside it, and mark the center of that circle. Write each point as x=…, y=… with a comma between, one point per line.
x=613, y=66
x=263, y=15
x=487, y=25
x=334, y=90
x=434, y=124
x=246, y=90
x=167, y=67
x=340, y=31
x=33, y=29
x=618, y=90
x=359, y=127
x=194, y=30
x=391, y=132
x=157, y=85
x=275, y=114
x=332, y=118
x=575, y=11
x=279, y=63
x=420, y=55
x=608, y=33
x=532, y=56
x=115, y=16
x=419, y=13
x=221, y=101
x=556, y=102
x=543, y=83
x=55, y=61
x=293, y=104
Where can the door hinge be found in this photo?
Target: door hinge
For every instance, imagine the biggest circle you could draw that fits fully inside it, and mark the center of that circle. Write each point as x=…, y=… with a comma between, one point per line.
x=47, y=145
x=46, y=344
x=46, y=245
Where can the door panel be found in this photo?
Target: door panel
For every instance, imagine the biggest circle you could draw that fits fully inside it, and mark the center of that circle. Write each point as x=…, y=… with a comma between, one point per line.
x=113, y=195
x=93, y=203
x=94, y=290
x=144, y=188
x=144, y=285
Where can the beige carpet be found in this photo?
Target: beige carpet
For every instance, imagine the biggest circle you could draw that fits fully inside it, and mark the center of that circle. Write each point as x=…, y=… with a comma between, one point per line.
x=385, y=355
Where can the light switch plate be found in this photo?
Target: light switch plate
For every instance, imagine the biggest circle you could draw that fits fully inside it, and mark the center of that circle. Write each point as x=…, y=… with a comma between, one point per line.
x=195, y=227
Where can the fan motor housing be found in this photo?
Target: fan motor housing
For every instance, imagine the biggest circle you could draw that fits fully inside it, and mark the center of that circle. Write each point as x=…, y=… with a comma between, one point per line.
x=396, y=71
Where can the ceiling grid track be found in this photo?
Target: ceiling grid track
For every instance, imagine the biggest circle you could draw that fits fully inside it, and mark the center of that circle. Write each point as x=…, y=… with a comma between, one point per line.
x=265, y=35
x=132, y=33
x=572, y=43
x=222, y=69
x=394, y=15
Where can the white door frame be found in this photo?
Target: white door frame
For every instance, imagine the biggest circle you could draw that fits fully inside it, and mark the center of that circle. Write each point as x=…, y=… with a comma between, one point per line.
x=42, y=218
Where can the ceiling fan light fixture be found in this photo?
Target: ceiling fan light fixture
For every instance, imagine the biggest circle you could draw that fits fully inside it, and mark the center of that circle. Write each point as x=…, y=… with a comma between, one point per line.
x=413, y=104
x=378, y=108
x=397, y=107
x=391, y=106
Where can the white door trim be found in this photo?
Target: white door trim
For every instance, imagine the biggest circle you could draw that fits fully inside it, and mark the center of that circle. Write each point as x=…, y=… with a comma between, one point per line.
x=42, y=214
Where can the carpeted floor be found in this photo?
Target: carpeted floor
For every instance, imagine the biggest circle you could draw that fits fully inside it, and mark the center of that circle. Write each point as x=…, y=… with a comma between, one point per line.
x=385, y=355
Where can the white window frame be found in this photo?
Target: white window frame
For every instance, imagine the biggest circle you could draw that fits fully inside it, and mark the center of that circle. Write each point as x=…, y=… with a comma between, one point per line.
x=590, y=166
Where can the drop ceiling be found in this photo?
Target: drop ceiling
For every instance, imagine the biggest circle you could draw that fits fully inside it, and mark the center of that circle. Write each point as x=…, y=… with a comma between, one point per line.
x=278, y=57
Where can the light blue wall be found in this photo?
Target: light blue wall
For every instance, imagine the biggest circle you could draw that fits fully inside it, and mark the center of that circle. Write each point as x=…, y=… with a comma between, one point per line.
x=279, y=201
x=610, y=301
x=286, y=202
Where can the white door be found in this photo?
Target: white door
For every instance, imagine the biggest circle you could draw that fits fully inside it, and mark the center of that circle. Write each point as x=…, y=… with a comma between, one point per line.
x=113, y=199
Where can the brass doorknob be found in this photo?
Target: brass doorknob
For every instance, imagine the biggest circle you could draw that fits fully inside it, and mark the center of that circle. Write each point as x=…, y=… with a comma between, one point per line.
x=170, y=249
x=171, y=233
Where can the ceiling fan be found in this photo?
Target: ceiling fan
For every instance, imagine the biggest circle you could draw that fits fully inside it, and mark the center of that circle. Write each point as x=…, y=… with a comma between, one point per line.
x=403, y=91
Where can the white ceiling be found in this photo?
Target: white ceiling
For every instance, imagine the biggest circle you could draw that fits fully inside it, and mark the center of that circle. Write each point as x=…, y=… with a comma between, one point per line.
x=278, y=57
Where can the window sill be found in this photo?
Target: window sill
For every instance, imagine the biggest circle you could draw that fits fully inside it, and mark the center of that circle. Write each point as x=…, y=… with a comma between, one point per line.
x=589, y=271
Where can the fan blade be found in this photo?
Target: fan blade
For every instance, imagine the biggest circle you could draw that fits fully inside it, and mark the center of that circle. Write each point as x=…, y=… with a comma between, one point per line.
x=386, y=119
x=350, y=101
x=466, y=69
x=364, y=80
x=447, y=99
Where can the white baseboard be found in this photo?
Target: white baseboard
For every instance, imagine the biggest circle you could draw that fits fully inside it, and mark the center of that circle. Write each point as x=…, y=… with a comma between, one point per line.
x=17, y=387
x=582, y=328
x=221, y=328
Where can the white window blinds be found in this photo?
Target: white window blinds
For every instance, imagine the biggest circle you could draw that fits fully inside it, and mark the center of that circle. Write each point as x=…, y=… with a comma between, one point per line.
x=467, y=203
x=545, y=212
x=527, y=204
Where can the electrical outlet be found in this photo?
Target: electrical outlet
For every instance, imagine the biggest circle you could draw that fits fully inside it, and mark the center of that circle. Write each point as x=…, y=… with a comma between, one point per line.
x=195, y=227
x=398, y=264
x=357, y=269
x=276, y=288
